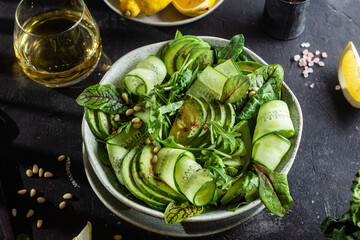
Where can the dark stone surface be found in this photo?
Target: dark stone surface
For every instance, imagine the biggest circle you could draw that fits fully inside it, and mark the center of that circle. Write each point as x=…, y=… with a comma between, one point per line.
x=49, y=121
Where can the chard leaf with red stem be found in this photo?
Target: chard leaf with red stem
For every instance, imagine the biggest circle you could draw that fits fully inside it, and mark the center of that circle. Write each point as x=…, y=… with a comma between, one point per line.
x=177, y=212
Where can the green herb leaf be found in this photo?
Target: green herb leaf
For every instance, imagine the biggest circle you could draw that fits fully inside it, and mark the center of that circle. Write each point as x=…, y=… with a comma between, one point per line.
x=235, y=89
x=274, y=190
x=222, y=180
x=105, y=97
x=228, y=138
x=178, y=34
x=233, y=49
x=22, y=236
x=177, y=212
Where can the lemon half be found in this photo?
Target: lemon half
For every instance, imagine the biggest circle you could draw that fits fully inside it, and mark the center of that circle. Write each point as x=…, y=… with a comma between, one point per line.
x=85, y=234
x=193, y=8
x=349, y=74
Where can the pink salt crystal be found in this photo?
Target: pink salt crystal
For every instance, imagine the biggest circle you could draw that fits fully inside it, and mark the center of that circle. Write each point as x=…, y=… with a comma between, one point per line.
x=324, y=55
x=316, y=60
x=321, y=64
x=310, y=54
x=305, y=52
x=308, y=59
x=303, y=63
x=337, y=87
x=296, y=58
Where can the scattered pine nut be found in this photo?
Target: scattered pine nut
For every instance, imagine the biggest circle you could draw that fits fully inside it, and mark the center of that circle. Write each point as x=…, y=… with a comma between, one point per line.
x=62, y=205
x=135, y=120
x=156, y=150
x=48, y=174
x=41, y=172
x=22, y=191
x=29, y=173
x=251, y=93
x=117, y=117
x=125, y=97
x=154, y=159
x=255, y=89
x=129, y=112
x=117, y=237
x=61, y=158
x=151, y=138
x=41, y=200
x=67, y=196
x=30, y=213
x=35, y=169
x=147, y=141
x=32, y=192
x=137, y=108
x=39, y=223
x=136, y=125
x=13, y=212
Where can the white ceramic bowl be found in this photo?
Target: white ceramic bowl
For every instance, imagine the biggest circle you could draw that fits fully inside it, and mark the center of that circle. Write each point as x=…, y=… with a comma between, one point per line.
x=108, y=178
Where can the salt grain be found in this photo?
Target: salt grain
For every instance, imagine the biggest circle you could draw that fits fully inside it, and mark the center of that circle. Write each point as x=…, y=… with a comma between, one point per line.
x=321, y=64
x=317, y=52
x=312, y=85
x=337, y=87
x=324, y=55
x=311, y=63
x=316, y=60
x=310, y=70
x=305, y=52
x=296, y=58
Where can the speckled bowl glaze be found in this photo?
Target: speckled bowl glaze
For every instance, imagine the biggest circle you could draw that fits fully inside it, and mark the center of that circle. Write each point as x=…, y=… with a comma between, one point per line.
x=107, y=177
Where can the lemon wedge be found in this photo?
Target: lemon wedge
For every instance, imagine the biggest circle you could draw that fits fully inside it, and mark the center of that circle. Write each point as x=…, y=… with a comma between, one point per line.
x=349, y=74
x=85, y=234
x=193, y=8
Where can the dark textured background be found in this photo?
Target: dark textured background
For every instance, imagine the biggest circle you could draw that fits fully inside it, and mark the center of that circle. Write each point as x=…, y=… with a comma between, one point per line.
x=49, y=121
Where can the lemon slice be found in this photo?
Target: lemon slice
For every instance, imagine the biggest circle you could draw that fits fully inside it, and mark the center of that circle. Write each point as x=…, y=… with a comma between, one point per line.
x=193, y=8
x=85, y=234
x=349, y=74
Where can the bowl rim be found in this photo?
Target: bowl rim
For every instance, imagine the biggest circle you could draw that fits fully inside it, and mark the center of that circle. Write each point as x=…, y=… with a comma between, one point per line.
x=210, y=216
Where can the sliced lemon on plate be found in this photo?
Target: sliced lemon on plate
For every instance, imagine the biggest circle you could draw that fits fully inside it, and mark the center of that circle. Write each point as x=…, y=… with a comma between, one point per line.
x=193, y=8
x=85, y=234
x=349, y=74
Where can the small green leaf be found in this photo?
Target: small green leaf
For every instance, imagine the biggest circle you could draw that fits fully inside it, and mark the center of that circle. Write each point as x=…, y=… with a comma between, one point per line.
x=178, y=34
x=177, y=212
x=105, y=97
x=22, y=236
x=228, y=138
x=233, y=49
x=235, y=89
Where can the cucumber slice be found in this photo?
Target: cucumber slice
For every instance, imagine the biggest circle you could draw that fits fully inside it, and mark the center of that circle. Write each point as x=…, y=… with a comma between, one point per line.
x=229, y=68
x=116, y=155
x=209, y=84
x=104, y=123
x=235, y=161
x=189, y=120
x=135, y=137
x=140, y=77
x=164, y=168
x=91, y=118
x=270, y=149
x=131, y=186
x=273, y=116
x=249, y=65
x=193, y=181
x=156, y=65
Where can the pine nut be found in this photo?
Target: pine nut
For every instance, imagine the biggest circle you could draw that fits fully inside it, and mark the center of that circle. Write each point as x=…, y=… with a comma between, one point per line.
x=22, y=191
x=29, y=173
x=147, y=141
x=135, y=120
x=117, y=237
x=154, y=159
x=13, y=212
x=30, y=213
x=252, y=93
x=255, y=89
x=62, y=205
x=67, y=196
x=156, y=150
x=41, y=200
x=48, y=174
x=125, y=97
x=151, y=138
x=136, y=125
x=41, y=172
x=117, y=117
x=129, y=112
x=137, y=108
x=39, y=223
x=35, y=169
x=32, y=192
x=61, y=158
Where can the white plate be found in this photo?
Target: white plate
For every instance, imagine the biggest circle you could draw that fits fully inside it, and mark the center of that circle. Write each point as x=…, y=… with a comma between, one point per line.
x=106, y=176
x=169, y=16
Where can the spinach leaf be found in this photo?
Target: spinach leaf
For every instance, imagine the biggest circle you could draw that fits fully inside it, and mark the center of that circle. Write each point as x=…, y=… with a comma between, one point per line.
x=274, y=190
x=235, y=89
x=177, y=212
x=105, y=97
x=251, y=109
x=233, y=49
x=274, y=74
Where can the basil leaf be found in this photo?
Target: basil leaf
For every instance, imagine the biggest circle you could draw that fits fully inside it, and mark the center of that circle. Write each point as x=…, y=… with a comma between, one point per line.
x=104, y=97
x=233, y=49
x=251, y=109
x=274, y=190
x=235, y=89
x=274, y=74
x=177, y=212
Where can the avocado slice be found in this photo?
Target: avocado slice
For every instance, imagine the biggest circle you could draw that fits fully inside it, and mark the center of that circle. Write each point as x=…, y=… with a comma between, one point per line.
x=175, y=41
x=131, y=186
x=205, y=59
x=187, y=49
x=129, y=139
x=220, y=112
x=104, y=123
x=142, y=186
x=146, y=171
x=171, y=53
x=91, y=118
x=187, y=125
x=194, y=54
x=249, y=65
x=116, y=155
x=230, y=117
